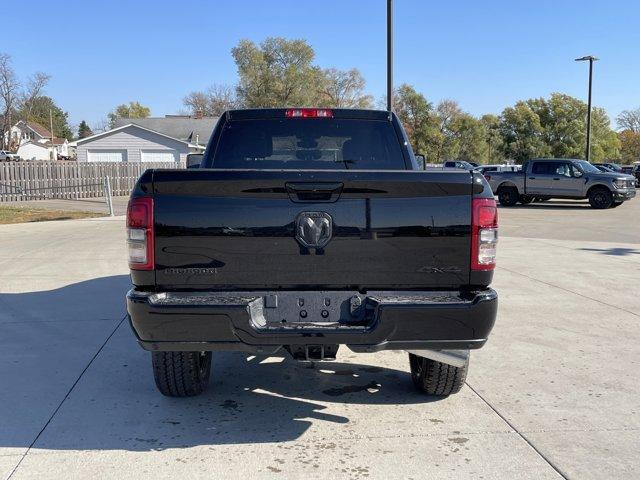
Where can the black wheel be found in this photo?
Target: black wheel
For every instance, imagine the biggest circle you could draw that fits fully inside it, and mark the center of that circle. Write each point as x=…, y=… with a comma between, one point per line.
x=600, y=198
x=526, y=199
x=436, y=378
x=508, y=196
x=181, y=374
x=616, y=204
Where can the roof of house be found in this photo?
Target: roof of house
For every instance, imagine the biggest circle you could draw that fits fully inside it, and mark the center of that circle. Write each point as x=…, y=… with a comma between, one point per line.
x=182, y=127
x=44, y=146
x=36, y=127
x=108, y=132
x=47, y=144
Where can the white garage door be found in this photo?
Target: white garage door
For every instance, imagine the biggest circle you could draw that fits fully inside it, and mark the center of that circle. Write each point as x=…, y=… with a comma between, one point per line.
x=159, y=156
x=106, y=155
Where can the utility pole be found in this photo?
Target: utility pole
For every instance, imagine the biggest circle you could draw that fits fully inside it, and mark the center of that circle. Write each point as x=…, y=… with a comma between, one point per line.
x=51, y=126
x=390, y=55
x=590, y=59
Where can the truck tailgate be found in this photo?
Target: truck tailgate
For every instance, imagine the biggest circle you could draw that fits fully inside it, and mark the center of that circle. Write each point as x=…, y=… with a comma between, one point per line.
x=237, y=229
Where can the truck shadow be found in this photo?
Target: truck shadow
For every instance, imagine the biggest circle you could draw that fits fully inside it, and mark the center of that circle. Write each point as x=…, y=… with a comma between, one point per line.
x=551, y=205
x=614, y=251
x=70, y=365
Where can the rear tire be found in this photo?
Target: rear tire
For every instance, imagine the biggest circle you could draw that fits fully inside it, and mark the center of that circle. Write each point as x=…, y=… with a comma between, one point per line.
x=600, y=198
x=436, y=378
x=181, y=374
x=508, y=196
x=526, y=199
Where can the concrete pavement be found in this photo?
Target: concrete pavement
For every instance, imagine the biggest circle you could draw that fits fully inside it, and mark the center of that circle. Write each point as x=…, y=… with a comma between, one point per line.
x=554, y=392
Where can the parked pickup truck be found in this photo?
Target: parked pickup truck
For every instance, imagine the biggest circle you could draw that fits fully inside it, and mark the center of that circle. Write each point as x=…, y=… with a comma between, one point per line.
x=304, y=230
x=545, y=178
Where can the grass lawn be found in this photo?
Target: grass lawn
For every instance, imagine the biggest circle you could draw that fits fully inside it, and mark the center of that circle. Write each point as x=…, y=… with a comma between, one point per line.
x=27, y=214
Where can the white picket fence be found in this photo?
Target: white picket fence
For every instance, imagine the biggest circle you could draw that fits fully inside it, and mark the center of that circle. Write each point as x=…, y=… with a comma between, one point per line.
x=70, y=180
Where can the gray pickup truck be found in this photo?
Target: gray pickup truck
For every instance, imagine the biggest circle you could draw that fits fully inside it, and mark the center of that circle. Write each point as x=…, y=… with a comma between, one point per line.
x=545, y=178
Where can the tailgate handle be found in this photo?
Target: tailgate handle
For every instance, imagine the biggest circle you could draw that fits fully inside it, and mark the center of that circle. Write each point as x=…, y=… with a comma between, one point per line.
x=314, y=192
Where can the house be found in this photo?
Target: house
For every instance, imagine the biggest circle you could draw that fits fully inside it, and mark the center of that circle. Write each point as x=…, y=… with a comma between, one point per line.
x=34, y=142
x=44, y=149
x=24, y=131
x=159, y=139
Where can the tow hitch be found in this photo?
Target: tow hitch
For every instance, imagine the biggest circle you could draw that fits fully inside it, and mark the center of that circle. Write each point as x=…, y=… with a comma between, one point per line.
x=312, y=352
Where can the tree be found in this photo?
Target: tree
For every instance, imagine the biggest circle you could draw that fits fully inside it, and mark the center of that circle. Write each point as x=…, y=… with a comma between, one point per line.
x=491, y=125
x=43, y=110
x=629, y=120
x=556, y=126
x=16, y=99
x=630, y=146
x=563, y=122
x=131, y=110
x=213, y=102
x=419, y=120
x=84, y=130
x=468, y=139
x=9, y=91
x=443, y=133
x=35, y=87
x=448, y=112
x=563, y=119
x=343, y=89
x=522, y=134
x=605, y=143
x=277, y=73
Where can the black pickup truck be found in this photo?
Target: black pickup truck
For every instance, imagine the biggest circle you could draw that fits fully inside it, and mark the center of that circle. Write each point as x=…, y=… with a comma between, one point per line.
x=307, y=229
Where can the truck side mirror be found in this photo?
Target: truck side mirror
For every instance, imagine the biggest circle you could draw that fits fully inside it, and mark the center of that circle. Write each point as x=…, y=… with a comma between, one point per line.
x=194, y=160
x=422, y=161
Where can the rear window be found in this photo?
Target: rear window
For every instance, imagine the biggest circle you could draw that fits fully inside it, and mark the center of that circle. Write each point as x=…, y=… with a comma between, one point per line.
x=308, y=143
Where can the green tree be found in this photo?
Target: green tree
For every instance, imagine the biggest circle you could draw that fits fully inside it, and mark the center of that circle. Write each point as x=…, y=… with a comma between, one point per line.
x=446, y=111
x=468, y=139
x=84, y=130
x=563, y=119
x=630, y=146
x=420, y=121
x=277, y=73
x=491, y=125
x=40, y=109
x=605, y=143
x=130, y=110
x=522, y=133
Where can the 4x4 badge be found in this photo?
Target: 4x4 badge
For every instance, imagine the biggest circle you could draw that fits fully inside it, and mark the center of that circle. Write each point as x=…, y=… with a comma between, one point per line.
x=314, y=229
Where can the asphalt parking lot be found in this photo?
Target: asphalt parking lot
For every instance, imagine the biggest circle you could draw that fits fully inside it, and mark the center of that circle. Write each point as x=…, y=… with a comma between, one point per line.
x=554, y=393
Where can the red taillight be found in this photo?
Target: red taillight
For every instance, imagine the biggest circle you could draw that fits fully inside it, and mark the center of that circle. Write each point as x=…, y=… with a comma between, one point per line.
x=484, y=233
x=140, y=233
x=487, y=177
x=309, y=113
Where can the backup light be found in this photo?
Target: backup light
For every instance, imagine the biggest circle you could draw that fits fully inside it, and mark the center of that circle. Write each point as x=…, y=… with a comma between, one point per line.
x=140, y=234
x=484, y=233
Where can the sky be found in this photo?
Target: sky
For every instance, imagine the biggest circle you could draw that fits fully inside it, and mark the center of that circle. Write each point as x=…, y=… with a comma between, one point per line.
x=484, y=54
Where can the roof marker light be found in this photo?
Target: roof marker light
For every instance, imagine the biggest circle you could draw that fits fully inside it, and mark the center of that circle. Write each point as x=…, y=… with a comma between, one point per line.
x=309, y=113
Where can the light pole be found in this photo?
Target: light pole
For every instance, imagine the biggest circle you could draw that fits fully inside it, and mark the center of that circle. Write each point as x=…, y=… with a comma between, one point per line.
x=390, y=55
x=590, y=59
